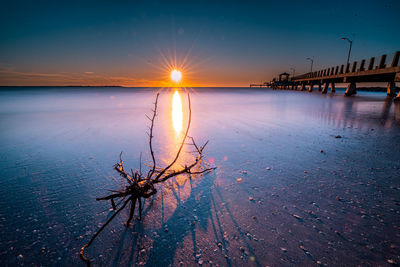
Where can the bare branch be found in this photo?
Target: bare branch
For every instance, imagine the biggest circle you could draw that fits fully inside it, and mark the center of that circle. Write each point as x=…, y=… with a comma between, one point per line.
x=141, y=187
x=140, y=164
x=81, y=253
x=151, y=137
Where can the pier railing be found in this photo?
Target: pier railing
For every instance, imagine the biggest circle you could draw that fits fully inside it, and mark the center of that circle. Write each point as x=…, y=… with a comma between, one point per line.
x=384, y=68
x=373, y=64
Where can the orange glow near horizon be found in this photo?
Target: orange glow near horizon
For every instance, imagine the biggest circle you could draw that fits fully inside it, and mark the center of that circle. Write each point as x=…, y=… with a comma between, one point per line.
x=177, y=113
x=165, y=69
x=174, y=69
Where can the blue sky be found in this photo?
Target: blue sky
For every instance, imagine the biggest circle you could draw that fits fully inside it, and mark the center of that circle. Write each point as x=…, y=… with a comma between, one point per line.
x=226, y=43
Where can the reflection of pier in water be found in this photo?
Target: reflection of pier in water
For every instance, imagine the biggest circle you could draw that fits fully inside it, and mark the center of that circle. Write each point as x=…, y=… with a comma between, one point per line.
x=347, y=114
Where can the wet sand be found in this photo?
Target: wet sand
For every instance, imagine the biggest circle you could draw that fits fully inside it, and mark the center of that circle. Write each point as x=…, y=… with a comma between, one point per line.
x=319, y=178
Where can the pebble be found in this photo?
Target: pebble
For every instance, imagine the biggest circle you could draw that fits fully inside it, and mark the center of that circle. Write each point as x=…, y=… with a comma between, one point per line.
x=251, y=198
x=284, y=249
x=268, y=168
x=297, y=217
x=338, y=136
x=20, y=257
x=390, y=261
x=339, y=198
x=239, y=180
x=201, y=261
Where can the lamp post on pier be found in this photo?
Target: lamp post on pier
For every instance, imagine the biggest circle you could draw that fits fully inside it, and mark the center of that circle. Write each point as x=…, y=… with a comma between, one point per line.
x=293, y=69
x=351, y=43
x=312, y=62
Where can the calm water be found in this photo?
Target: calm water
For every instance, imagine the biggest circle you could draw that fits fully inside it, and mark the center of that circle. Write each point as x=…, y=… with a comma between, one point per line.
x=305, y=198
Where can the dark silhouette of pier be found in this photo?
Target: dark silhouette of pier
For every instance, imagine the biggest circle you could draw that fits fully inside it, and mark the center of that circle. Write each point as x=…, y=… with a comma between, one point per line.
x=376, y=69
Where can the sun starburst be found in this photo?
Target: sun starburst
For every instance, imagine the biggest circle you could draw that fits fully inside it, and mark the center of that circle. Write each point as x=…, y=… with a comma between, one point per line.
x=176, y=75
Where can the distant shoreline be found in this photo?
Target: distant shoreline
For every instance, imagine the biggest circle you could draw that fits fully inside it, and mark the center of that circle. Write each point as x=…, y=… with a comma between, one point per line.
x=60, y=86
x=362, y=89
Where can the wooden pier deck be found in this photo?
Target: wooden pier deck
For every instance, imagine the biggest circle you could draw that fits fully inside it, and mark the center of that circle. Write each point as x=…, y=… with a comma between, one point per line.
x=362, y=71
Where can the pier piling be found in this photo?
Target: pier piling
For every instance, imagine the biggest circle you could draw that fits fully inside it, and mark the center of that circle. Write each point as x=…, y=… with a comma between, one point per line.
x=325, y=90
x=333, y=90
x=391, y=89
x=397, y=98
x=351, y=89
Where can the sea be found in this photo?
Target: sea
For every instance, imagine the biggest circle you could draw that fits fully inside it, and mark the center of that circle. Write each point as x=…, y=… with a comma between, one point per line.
x=301, y=179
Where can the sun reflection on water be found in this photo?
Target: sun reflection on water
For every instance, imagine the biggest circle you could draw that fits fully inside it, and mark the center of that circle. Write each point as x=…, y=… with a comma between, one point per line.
x=177, y=113
x=179, y=189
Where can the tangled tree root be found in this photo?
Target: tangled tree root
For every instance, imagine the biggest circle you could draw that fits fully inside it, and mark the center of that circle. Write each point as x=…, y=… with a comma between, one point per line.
x=143, y=186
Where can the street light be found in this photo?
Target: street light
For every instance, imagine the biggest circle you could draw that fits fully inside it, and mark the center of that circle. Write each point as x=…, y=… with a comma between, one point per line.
x=293, y=69
x=312, y=62
x=351, y=43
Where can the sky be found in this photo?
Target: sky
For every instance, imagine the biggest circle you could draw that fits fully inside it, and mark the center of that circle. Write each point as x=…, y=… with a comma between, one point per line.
x=213, y=43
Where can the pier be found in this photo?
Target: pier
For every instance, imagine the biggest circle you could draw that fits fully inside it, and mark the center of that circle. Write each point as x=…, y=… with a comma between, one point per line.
x=375, y=69
x=265, y=84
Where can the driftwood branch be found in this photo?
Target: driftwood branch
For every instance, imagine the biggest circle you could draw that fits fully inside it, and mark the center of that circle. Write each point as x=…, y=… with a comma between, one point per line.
x=141, y=187
x=151, y=137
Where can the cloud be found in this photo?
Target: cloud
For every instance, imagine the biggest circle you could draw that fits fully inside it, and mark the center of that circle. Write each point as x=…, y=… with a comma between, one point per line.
x=10, y=77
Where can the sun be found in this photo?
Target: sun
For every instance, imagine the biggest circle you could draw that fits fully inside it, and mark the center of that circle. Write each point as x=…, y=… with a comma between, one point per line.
x=176, y=76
